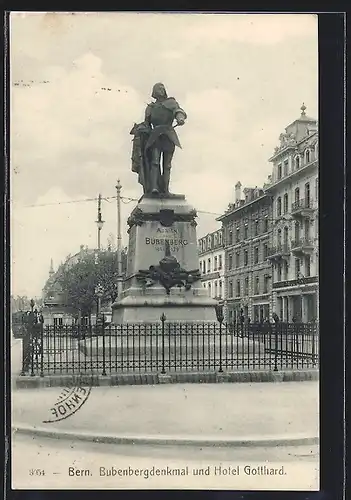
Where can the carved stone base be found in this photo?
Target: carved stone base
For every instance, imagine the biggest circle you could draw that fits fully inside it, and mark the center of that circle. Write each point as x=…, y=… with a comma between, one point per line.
x=153, y=222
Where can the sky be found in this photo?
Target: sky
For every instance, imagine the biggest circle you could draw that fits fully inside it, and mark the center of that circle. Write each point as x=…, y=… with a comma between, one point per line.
x=241, y=78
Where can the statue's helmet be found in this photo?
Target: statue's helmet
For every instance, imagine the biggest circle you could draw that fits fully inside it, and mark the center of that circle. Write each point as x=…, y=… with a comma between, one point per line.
x=158, y=90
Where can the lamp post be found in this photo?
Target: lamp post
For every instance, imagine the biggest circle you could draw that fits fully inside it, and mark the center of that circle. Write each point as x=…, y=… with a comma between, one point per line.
x=99, y=291
x=99, y=222
x=119, y=239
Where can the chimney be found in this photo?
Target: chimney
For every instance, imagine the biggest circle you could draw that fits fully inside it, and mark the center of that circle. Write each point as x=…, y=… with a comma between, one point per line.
x=237, y=191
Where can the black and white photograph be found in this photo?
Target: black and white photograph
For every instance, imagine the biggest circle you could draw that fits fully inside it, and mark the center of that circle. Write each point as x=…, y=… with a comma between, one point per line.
x=164, y=251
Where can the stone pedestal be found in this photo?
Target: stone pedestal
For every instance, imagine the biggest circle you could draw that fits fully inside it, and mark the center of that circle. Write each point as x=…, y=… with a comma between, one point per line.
x=153, y=221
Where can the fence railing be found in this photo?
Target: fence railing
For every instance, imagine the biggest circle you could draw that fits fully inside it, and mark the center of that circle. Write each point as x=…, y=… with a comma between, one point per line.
x=167, y=347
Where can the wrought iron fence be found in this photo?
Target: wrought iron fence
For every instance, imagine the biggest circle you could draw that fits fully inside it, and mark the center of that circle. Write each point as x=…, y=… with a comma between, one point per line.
x=167, y=347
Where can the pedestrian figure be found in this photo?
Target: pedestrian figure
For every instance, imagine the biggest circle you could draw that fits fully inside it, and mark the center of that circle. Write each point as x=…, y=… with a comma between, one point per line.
x=275, y=317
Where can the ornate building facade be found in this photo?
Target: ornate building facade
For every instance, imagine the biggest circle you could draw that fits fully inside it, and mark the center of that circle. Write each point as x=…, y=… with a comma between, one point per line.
x=293, y=251
x=211, y=257
x=247, y=229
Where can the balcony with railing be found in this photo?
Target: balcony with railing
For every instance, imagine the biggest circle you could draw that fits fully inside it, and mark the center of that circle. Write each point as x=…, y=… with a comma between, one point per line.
x=303, y=246
x=302, y=208
x=278, y=252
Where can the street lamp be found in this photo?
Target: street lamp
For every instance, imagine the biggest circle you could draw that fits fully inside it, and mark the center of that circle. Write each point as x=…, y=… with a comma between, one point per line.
x=99, y=291
x=99, y=222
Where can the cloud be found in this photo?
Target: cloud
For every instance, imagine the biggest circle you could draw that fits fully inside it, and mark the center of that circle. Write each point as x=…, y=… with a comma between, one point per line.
x=250, y=28
x=70, y=119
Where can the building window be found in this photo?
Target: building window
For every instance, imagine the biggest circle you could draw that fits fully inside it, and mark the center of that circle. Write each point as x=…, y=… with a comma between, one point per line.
x=307, y=265
x=307, y=195
x=204, y=285
x=209, y=290
x=297, y=231
x=297, y=162
x=279, y=237
x=246, y=286
x=220, y=290
x=286, y=270
x=308, y=157
x=265, y=251
x=297, y=268
x=297, y=195
x=246, y=258
x=220, y=238
x=286, y=236
x=279, y=272
x=230, y=261
x=286, y=203
x=238, y=288
x=256, y=227
x=238, y=233
x=209, y=243
x=230, y=289
x=266, y=224
x=279, y=206
x=215, y=239
x=215, y=289
x=265, y=284
x=204, y=267
x=237, y=259
x=257, y=285
x=220, y=262
x=307, y=230
x=208, y=265
x=215, y=263
x=286, y=167
x=316, y=189
x=200, y=266
x=230, y=237
x=279, y=171
x=58, y=321
x=246, y=231
x=256, y=255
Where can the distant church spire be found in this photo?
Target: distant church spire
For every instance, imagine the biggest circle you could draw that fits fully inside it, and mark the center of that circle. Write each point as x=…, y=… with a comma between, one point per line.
x=51, y=272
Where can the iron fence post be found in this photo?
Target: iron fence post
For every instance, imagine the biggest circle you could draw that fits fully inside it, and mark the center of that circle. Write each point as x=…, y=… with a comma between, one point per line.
x=275, y=330
x=163, y=319
x=42, y=350
x=220, y=346
x=25, y=349
x=103, y=348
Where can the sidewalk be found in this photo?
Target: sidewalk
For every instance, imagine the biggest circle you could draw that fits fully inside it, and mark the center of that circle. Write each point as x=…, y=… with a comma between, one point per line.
x=222, y=414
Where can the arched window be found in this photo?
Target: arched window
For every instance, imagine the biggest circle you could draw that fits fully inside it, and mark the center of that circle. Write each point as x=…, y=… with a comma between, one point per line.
x=257, y=285
x=297, y=162
x=279, y=206
x=297, y=231
x=279, y=237
x=286, y=203
x=246, y=286
x=308, y=156
x=230, y=237
x=307, y=195
x=297, y=195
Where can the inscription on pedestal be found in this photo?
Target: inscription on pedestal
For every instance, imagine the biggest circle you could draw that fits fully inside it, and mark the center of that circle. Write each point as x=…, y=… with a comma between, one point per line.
x=162, y=235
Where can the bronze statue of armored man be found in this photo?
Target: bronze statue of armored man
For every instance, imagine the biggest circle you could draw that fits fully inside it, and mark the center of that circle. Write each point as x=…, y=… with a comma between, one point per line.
x=155, y=140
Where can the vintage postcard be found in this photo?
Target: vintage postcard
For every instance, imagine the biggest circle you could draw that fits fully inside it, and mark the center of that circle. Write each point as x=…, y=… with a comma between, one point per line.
x=164, y=251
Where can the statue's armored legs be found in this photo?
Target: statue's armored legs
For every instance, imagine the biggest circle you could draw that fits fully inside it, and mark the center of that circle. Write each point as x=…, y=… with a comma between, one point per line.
x=167, y=164
x=155, y=170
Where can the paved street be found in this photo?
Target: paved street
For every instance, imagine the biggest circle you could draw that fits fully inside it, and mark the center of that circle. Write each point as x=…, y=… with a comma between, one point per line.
x=55, y=457
x=222, y=410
